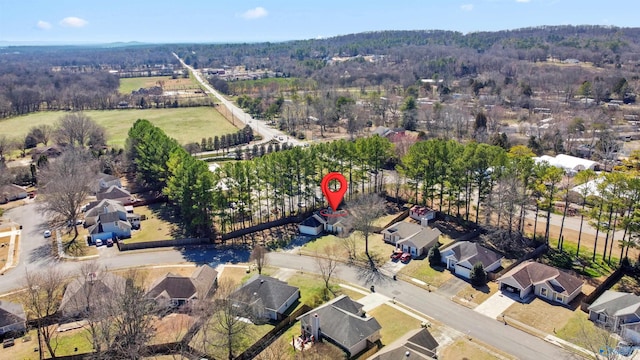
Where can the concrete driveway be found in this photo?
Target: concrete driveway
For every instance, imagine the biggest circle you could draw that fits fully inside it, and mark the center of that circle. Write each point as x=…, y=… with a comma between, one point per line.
x=495, y=305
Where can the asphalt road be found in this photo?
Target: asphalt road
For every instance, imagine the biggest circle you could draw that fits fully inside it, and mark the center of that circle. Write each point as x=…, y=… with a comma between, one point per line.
x=258, y=126
x=36, y=255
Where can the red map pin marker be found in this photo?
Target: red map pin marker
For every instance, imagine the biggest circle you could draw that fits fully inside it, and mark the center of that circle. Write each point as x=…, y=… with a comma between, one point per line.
x=334, y=197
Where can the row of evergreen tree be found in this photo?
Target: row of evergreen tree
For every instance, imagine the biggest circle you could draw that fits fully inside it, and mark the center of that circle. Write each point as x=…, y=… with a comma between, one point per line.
x=216, y=143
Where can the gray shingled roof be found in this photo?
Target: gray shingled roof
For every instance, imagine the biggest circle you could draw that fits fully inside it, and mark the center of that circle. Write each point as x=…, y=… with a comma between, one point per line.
x=113, y=192
x=403, y=229
x=108, y=217
x=473, y=253
x=311, y=221
x=420, y=344
x=104, y=285
x=343, y=326
x=182, y=287
x=271, y=291
x=533, y=273
x=104, y=206
x=11, y=313
x=614, y=303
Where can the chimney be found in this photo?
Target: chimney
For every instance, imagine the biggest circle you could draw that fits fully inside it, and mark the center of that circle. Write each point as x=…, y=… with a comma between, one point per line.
x=315, y=326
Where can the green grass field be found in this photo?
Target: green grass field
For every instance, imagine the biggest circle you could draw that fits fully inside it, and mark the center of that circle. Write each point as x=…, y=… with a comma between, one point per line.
x=183, y=124
x=127, y=85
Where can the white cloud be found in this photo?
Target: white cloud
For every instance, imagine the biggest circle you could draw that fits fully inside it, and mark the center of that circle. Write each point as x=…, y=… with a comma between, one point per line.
x=255, y=13
x=73, y=21
x=466, y=7
x=43, y=25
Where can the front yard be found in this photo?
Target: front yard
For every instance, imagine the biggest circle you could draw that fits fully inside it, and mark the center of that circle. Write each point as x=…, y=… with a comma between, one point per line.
x=541, y=315
x=421, y=270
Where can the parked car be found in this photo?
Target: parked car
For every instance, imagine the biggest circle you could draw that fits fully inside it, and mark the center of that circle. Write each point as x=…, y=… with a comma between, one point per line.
x=405, y=257
x=98, y=242
x=109, y=242
x=47, y=233
x=396, y=255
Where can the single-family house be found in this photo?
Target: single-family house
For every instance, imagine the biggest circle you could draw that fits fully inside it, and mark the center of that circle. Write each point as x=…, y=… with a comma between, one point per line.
x=265, y=297
x=422, y=213
x=411, y=238
x=110, y=226
x=94, y=210
x=311, y=226
x=542, y=280
x=104, y=181
x=116, y=193
x=12, y=192
x=92, y=290
x=417, y=344
x=174, y=290
x=619, y=312
x=12, y=318
x=462, y=256
x=343, y=322
x=49, y=152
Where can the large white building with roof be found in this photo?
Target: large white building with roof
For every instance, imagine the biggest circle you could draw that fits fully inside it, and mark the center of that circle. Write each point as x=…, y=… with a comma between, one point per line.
x=567, y=162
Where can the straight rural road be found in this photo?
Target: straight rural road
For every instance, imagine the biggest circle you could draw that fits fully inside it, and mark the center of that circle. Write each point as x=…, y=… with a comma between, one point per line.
x=258, y=126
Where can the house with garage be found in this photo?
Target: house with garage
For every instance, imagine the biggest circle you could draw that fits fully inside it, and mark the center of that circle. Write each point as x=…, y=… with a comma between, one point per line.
x=265, y=298
x=93, y=290
x=317, y=223
x=411, y=238
x=619, y=312
x=109, y=226
x=462, y=257
x=541, y=280
x=12, y=318
x=342, y=322
x=416, y=344
x=312, y=225
x=12, y=192
x=172, y=290
x=422, y=213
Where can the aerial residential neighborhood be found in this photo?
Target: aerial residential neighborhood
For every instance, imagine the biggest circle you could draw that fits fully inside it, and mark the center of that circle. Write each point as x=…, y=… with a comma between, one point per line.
x=372, y=193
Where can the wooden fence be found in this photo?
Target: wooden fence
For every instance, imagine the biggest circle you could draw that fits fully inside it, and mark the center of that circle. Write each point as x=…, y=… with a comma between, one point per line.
x=530, y=255
x=124, y=246
x=604, y=286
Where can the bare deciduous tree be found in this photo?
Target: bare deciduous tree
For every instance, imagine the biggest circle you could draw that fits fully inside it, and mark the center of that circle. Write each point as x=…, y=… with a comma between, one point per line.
x=227, y=325
x=327, y=261
x=78, y=129
x=65, y=187
x=259, y=256
x=41, y=299
x=363, y=212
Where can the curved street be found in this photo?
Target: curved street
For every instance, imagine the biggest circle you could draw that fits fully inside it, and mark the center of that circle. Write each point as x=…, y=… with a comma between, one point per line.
x=35, y=253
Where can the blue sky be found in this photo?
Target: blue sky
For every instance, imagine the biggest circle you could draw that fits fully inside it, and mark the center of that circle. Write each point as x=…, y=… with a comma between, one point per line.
x=162, y=21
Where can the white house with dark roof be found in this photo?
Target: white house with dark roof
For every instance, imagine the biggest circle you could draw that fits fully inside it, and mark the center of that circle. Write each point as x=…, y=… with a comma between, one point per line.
x=619, y=312
x=343, y=322
x=266, y=297
x=462, y=256
x=411, y=238
x=542, y=280
x=311, y=226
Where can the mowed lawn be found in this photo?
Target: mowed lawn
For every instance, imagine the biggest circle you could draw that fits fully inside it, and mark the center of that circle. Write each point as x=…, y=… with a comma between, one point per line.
x=183, y=124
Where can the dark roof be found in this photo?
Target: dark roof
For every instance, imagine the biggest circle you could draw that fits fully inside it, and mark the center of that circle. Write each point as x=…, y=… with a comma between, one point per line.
x=420, y=345
x=614, y=303
x=271, y=291
x=473, y=253
x=182, y=287
x=11, y=313
x=533, y=273
x=174, y=286
x=105, y=285
x=343, y=326
x=311, y=221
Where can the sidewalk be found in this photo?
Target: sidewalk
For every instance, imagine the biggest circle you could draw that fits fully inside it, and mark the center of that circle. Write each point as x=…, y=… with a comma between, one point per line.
x=12, y=247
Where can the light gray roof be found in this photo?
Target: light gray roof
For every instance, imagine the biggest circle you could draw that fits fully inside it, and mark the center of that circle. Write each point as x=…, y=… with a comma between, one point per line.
x=426, y=238
x=271, y=291
x=91, y=288
x=403, y=229
x=614, y=303
x=341, y=322
x=473, y=253
x=113, y=192
x=104, y=206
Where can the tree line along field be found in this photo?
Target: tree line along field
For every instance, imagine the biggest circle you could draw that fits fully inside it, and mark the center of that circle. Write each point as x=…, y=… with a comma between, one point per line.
x=183, y=124
x=127, y=85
